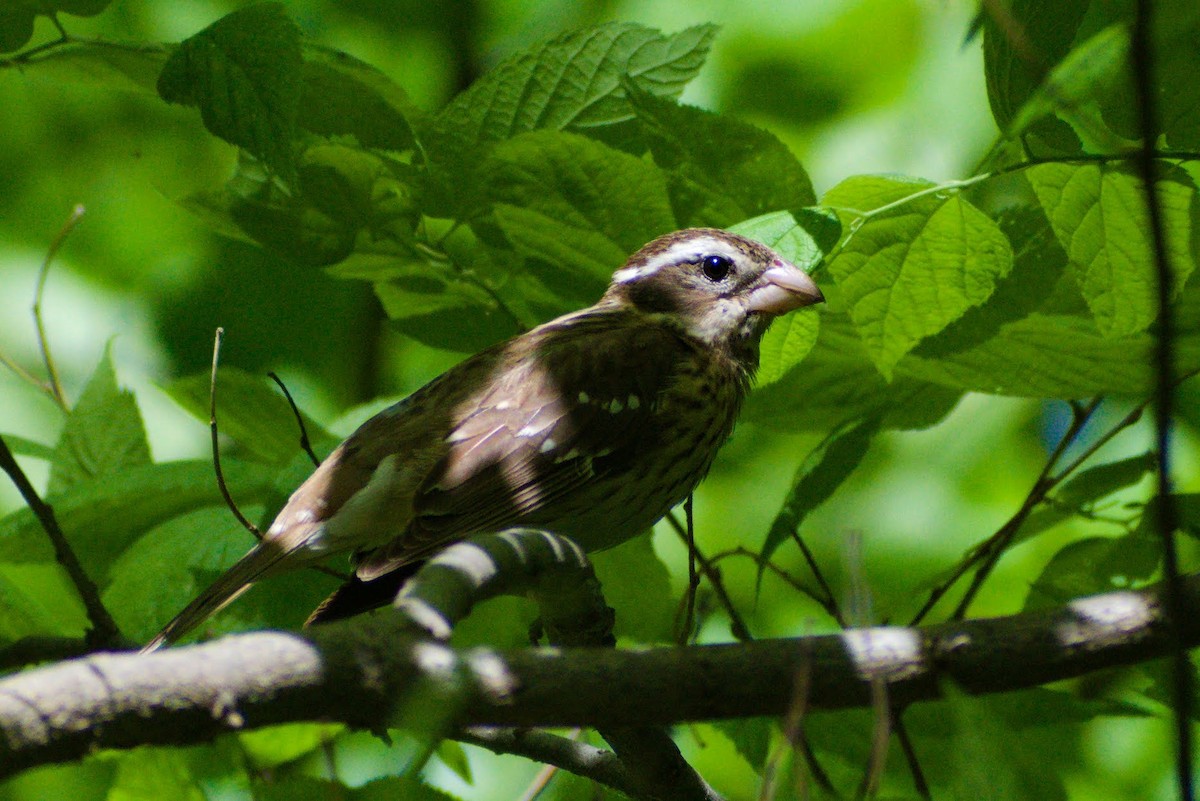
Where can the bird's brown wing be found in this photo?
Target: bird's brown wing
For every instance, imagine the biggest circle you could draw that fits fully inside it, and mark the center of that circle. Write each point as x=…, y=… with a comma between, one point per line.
x=573, y=410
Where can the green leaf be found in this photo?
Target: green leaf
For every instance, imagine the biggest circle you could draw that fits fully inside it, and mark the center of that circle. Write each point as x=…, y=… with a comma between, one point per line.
x=38, y=600
x=1098, y=213
x=751, y=737
x=103, y=435
x=1036, y=282
x=1070, y=89
x=27, y=447
x=818, y=477
x=16, y=17
x=454, y=756
x=245, y=74
x=443, y=310
x=638, y=586
x=1013, y=76
x=1047, y=356
x=572, y=82
x=252, y=411
x=837, y=382
x=163, y=569
x=576, y=204
x=991, y=762
x=276, y=745
x=101, y=517
x=907, y=273
x=1102, y=480
x=722, y=170
x=16, y=27
x=343, y=96
x=1094, y=565
x=154, y=774
x=785, y=345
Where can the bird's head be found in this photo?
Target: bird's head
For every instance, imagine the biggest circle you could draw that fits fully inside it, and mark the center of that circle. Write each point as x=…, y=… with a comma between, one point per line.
x=714, y=286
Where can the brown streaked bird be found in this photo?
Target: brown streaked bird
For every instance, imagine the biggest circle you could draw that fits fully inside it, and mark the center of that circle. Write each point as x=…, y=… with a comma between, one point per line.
x=593, y=425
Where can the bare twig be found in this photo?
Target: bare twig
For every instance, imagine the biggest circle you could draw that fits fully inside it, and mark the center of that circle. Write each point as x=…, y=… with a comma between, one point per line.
x=214, y=433
x=737, y=624
x=56, y=389
x=829, y=605
x=103, y=632
x=997, y=544
x=920, y=783
x=305, y=444
x=1142, y=62
x=998, y=541
x=689, y=617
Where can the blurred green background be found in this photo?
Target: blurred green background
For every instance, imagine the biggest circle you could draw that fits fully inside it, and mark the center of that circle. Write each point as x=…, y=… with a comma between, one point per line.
x=875, y=86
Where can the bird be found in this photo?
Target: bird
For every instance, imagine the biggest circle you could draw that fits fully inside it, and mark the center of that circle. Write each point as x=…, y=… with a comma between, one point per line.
x=593, y=426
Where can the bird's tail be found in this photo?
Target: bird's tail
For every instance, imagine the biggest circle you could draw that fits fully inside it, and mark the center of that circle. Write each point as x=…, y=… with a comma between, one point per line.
x=223, y=591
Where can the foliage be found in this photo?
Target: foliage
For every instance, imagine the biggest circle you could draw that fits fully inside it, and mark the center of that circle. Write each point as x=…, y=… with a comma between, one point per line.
x=512, y=203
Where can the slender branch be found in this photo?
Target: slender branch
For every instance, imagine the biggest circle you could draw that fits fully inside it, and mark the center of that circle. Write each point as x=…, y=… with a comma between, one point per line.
x=996, y=546
x=359, y=671
x=103, y=632
x=584, y=760
x=737, y=624
x=56, y=389
x=1142, y=62
x=215, y=436
x=305, y=444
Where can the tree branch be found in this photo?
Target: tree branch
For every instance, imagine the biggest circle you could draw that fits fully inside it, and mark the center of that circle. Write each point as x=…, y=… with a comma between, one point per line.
x=358, y=672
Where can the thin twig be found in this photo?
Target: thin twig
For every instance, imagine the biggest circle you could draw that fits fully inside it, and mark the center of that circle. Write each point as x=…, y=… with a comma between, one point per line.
x=995, y=546
x=815, y=569
x=1142, y=60
x=56, y=389
x=305, y=444
x=1040, y=487
x=737, y=624
x=103, y=632
x=689, y=617
x=214, y=434
x=830, y=607
x=920, y=783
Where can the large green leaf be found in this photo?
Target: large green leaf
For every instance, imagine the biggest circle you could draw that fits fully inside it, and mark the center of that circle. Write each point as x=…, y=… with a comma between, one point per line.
x=836, y=382
x=342, y=95
x=908, y=272
x=1013, y=75
x=576, y=204
x=817, y=478
x=1047, y=356
x=102, y=516
x=16, y=17
x=103, y=435
x=245, y=74
x=638, y=587
x=722, y=170
x=1098, y=212
x=572, y=82
x=252, y=411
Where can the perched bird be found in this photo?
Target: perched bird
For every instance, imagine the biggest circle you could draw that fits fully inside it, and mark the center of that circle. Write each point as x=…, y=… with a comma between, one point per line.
x=593, y=425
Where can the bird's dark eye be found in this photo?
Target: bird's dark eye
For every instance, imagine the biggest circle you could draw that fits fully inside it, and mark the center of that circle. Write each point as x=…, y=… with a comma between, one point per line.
x=716, y=268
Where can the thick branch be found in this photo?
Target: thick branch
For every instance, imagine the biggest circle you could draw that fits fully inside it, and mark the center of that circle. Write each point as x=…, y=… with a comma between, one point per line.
x=356, y=671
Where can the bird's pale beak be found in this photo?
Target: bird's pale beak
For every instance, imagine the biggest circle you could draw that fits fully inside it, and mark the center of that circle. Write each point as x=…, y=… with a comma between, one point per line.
x=784, y=288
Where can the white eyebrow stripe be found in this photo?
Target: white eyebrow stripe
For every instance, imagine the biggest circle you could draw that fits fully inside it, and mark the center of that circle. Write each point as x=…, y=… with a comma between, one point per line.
x=687, y=250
